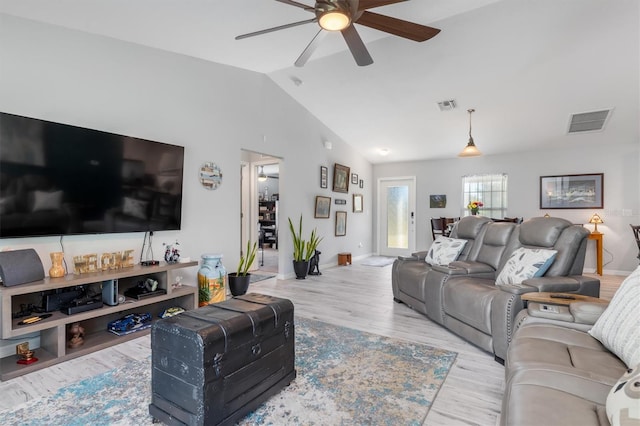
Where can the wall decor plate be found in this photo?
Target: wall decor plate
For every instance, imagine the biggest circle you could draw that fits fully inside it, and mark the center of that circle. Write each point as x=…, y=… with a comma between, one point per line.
x=210, y=175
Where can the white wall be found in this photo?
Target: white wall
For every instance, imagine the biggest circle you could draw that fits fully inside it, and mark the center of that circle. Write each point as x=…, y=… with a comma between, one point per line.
x=620, y=164
x=212, y=110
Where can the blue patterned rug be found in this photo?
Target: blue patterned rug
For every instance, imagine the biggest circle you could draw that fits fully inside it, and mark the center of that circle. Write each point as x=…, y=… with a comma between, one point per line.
x=345, y=376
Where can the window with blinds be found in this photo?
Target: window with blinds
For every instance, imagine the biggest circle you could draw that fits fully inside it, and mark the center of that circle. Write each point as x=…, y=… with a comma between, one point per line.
x=489, y=189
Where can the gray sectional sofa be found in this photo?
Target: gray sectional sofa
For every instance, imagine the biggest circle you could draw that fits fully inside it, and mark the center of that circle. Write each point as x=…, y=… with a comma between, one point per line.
x=463, y=295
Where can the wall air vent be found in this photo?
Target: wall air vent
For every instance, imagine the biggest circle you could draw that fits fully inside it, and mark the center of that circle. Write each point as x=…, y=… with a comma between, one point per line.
x=447, y=105
x=593, y=121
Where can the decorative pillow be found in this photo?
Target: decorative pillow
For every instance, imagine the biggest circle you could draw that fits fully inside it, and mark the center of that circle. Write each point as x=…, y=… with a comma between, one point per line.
x=43, y=200
x=618, y=328
x=623, y=401
x=444, y=250
x=134, y=207
x=526, y=263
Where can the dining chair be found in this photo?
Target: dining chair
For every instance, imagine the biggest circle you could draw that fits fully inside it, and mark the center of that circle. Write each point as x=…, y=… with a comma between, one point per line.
x=636, y=234
x=437, y=227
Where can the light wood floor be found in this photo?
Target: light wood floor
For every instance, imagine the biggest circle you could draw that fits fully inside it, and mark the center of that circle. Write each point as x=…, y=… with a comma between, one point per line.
x=354, y=296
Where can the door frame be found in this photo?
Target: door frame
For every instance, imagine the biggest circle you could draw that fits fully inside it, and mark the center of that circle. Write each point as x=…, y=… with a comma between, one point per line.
x=412, y=209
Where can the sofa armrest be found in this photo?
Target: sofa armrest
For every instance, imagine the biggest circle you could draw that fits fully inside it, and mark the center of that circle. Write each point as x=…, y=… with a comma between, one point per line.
x=449, y=270
x=517, y=288
x=409, y=258
x=553, y=284
x=420, y=255
x=587, y=312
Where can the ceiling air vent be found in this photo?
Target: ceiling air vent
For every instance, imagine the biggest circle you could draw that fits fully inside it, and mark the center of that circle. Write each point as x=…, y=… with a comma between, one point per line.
x=447, y=105
x=588, y=121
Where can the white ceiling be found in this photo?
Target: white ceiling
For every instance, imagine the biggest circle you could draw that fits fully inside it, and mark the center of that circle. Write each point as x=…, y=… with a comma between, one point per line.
x=524, y=65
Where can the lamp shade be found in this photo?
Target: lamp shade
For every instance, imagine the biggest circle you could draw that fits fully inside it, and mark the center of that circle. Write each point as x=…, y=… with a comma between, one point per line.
x=261, y=176
x=470, y=150
x=596, y=219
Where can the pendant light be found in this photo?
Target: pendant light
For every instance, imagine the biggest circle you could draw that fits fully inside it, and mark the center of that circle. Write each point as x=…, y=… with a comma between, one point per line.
x=261, y=176
x=470, y=150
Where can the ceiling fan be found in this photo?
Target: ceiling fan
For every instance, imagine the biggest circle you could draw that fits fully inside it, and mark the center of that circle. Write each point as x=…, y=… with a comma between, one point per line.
x=340, y=15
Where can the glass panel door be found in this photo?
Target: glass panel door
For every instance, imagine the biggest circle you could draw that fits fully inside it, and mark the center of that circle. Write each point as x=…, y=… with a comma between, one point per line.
x=396, y=223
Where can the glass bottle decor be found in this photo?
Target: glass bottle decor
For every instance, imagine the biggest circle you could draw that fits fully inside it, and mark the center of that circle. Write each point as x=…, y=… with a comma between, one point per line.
x=212, y=280
x=57, y=270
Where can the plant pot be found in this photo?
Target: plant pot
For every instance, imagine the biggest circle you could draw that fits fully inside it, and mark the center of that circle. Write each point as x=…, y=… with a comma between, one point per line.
x=301, y=267
x=238, y=284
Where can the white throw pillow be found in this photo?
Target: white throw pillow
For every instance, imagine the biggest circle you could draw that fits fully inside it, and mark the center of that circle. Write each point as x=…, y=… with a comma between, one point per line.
x=444, y=250
x=618, y=328
x=623, y=401
x=525, y=263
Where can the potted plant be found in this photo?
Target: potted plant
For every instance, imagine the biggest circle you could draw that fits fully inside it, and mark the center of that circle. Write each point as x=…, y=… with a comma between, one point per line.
x=239, y=281
x=302, y=250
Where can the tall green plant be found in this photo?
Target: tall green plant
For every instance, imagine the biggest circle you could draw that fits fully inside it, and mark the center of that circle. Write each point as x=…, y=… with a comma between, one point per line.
x=298, y=242
x=247, y=260
x=312, y=244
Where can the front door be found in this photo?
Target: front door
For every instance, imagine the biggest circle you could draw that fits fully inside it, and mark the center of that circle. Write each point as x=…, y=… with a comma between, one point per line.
x=396, y=216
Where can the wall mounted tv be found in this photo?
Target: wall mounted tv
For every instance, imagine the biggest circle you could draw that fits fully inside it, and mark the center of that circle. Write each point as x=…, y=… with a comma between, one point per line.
x=57, y=179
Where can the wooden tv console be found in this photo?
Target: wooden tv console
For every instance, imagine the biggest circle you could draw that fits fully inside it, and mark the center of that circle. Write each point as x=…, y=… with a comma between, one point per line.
x=54, y=330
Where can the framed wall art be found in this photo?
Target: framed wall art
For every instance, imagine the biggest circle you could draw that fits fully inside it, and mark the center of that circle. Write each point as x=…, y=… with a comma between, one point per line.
x=357, y=203
x=354, y=178
x=324, y=177
x=341, y=224
x=361, y=183
x=323, y=207
x=572, y=191
x=340, y=178
x=437, y=201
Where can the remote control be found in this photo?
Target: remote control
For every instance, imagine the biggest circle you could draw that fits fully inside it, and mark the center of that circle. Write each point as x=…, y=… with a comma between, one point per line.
x=562, y=296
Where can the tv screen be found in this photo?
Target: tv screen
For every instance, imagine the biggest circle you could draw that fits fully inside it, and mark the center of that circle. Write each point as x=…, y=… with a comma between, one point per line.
x=57, y=179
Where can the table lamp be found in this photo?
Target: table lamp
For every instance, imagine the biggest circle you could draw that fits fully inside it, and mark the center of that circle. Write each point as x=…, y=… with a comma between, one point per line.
x=595, y=219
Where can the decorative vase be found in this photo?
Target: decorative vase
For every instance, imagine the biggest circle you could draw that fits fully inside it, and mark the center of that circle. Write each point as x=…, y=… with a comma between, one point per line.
x=57, y=270
x=238, y=284
x=301, y=267
x=212, y=280
x=474, y=212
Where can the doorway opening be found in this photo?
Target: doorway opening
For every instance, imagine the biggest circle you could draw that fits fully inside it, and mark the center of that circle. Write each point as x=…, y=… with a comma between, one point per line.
x=260, y=174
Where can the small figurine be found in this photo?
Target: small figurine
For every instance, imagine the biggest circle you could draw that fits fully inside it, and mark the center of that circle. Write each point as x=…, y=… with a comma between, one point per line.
x=77, y=335
x=314, y=263
x=172, y=254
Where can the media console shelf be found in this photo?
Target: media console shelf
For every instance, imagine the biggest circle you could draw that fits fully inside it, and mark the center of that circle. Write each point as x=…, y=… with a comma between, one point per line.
x=54, y=333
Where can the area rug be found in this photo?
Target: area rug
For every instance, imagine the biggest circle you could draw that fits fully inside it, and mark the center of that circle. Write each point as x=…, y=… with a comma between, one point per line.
x=254, y=278
x=378, y=261
x=344, y=377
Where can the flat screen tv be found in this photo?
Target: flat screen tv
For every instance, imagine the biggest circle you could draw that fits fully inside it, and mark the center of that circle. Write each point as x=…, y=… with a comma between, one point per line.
x=57, y=179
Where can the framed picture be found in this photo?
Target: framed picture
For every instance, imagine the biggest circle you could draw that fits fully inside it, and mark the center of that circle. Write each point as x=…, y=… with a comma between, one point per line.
x=572, y=191
x=341, y=224
x=340, y=201
x=324, y=177
x=323, y=207
x=361, y=183
x=357, y=203
x=437, y=201
x=340, y=178
x=354, y=178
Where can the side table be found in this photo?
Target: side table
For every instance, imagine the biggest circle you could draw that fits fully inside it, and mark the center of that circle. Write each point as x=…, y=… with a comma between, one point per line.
x=597, y=236
x=344, y=259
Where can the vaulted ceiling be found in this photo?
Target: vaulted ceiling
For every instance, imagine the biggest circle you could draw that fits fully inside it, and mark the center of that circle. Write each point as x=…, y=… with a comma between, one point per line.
x=523, y=65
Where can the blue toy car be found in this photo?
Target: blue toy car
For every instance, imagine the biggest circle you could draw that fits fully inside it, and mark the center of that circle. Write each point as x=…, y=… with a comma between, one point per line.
x=129, y=322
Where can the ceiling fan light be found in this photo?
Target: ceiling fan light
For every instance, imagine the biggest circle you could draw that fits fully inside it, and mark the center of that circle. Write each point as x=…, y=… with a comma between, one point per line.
x=262, y=176
x=334, y=20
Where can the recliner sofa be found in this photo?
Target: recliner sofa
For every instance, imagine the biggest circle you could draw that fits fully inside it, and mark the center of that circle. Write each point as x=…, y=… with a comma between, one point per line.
x=463, y=295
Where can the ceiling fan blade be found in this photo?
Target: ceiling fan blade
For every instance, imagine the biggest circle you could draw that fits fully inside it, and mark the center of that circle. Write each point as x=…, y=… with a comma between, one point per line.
x=280, y=27
x=356, y=46
x=300, y=5
x=311, y=47
x=397, y=26
x=371, y=4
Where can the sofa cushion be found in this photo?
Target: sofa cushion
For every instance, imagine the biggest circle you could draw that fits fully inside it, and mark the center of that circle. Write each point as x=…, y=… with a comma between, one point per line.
x=525, y=263
x=564, y=350
x=444, y=250
x=469, y=300
x=618, y=328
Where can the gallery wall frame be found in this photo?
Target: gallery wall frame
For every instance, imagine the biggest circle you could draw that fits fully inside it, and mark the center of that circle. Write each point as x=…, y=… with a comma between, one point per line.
x=323, y=207
x=340, y=178
x=354, y=178
x=341, y=224
x=585, y=191
x=358, y=203
x=437, y=201
x=324, y=176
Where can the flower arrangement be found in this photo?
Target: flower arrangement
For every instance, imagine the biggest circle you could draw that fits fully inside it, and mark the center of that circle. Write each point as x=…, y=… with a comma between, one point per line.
x=474, y=206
